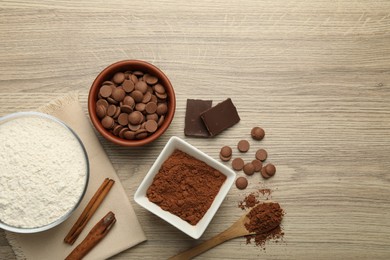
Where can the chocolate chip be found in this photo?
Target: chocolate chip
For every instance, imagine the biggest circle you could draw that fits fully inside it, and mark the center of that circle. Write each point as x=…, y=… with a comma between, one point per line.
x=126, y=109
x=128, y=86
x=101, y=111
x=270, y=169
x=151, y=107
x=129, y=135
x=153, y=116
x=258, y=165
x=129, y=101
x=117, y=129
x=118, y=94
x=109, y=83
x=154, y=98
x=147, y=97
x=238, y=164
x=261, y=155
x=162, y=96
x=112, y=101
x=225, y=159
x=122, y=132
x=102, y=102
x=264, y=173
x=140, y=107
x=226, y=151
x=108, y=122
x=105, y=91
x=134, y=78
x=257, y=133
x=243, y=146
x=138, y=73
x=137, y=96
x=123, y=119
x=249, y=169
x=141, y=130
x=117, y=112
x=241, y=183
x=141, y=86
x=151, y=80
x=151, y=126
x=159, y=89
x=134, y=127
x=118, y=78
x=141, y=134
x=162, y=109
x=111, y=110
x=160, y=121
x=135, y=118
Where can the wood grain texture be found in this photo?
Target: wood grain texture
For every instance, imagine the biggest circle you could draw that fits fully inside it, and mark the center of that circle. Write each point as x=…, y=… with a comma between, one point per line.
x=314, y=74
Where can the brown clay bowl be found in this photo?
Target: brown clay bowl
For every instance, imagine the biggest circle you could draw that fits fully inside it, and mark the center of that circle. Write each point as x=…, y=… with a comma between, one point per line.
x=130, y=65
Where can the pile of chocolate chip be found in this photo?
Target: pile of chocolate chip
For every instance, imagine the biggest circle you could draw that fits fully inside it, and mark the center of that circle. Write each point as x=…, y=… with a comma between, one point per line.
x=132, y=105
x=249, y=168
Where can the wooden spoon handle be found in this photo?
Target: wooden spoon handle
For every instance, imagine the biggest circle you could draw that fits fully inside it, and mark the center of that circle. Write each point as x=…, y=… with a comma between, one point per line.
x=206, y=245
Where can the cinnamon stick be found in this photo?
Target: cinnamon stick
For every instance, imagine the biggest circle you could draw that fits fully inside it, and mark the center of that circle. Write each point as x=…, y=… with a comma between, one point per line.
x=89, y=210
x=97, y=233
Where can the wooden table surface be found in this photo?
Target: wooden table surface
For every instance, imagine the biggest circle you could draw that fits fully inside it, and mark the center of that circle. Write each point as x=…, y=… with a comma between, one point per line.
x=314, y=74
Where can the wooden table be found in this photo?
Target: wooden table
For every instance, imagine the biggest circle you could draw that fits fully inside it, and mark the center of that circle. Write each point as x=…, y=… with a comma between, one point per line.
x=314, y=74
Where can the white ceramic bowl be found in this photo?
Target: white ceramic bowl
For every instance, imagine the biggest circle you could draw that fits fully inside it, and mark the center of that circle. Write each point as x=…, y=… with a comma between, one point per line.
x=195, y=231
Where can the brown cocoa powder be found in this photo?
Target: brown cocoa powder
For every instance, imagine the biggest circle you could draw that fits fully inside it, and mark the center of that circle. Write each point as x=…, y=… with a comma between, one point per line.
x=185, y=186
x=253, y=198
x=249, y=202
x=259, y=239
x=264, y=218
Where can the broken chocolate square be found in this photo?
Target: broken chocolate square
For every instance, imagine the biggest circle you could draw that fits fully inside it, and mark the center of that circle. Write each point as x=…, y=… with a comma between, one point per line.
x=194, y=125
x=220, y=117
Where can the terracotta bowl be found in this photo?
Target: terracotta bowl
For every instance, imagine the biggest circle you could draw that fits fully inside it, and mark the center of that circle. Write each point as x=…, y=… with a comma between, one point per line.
x=130, y=65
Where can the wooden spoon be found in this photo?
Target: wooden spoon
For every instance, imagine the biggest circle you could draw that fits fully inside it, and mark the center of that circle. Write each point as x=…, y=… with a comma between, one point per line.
x=238, y=229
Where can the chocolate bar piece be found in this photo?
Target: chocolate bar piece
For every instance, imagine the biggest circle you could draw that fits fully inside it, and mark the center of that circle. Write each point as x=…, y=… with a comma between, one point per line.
x=220, y=117
x=194, y=125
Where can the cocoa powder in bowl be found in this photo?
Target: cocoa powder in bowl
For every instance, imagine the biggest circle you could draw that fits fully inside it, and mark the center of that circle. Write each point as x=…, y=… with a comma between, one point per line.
x=185, y=186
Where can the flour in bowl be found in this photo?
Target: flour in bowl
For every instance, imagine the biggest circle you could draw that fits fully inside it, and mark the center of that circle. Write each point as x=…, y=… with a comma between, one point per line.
x=43, y=171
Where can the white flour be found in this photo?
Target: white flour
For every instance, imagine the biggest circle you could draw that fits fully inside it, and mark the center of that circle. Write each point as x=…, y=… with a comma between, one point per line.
x=42, y=171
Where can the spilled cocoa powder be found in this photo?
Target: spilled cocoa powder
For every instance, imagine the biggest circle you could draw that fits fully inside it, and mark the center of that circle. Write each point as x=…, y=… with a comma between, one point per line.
x=264, y=218
x=185, y=186
x=253, y=198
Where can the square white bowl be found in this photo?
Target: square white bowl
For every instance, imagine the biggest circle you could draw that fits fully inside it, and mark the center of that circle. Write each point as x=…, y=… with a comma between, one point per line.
x=195, y=231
